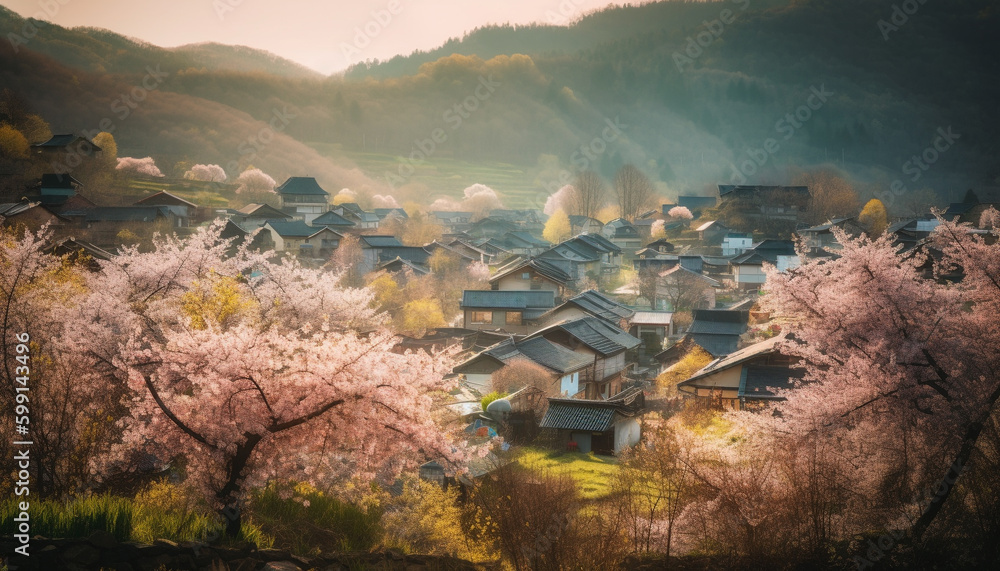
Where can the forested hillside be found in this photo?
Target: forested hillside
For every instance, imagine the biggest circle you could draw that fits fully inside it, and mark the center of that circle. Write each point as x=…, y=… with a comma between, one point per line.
x=690, y=116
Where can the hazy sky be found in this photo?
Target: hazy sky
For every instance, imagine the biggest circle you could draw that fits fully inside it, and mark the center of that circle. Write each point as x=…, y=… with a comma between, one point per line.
x=326, y=36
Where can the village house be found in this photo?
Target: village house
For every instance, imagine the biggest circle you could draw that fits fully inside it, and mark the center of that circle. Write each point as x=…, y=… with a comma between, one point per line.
x=735, y=243
x=29, y=214
x=583, y=256
x=591, y=303
x=785, y=203
x=530, y=274
x=297, y=237
x=606, y=346
x=603, y=427
x=490, y=227
x=511, y=311
x=746, y=379
x=523, y=243
x=748, y=267
x=352, y=211
x=68, y=144
x=334, y=221
x=584, y=225
x=372, y=247
x=820, y=237
x=695, y=204
x=184, y=211
x=255, y=215
x=55, y=190
x=563, y=364
x=623, y=234
x=711, y=233
x=718, y=331
x=303, y=198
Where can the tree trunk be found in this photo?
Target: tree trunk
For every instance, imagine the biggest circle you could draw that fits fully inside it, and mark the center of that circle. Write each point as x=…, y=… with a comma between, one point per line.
x=944, y=487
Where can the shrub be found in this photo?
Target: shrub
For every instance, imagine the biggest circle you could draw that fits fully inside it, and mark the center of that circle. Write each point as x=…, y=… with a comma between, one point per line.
x=308, y=522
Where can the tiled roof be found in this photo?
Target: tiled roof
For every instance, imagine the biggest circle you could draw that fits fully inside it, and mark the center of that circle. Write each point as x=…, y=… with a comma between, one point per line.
x=596, y=334
x=490, y=299
x=738, y=357
x=262, y=210
x=125, y=213
x=652, y=318
x=292, y=229
x=716, y=345
x=542, y=351
x=383, y=212
x=761, y=382
x=414, y=254
x=64, y=140
x=165, y=198
x=719, y=321
x=600, y=305
x=301, y=185
x=331, y=218
x=380, y=241
x=542, y=267
x=591, y=415
x=53, y=180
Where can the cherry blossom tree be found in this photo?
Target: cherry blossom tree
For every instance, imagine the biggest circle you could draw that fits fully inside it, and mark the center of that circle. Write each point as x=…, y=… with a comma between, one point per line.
x=900, y=368
x=144, y=166
x=210, y=173
x=254, y=181
x=68, y=424
x=250, y=370
x=680, y=212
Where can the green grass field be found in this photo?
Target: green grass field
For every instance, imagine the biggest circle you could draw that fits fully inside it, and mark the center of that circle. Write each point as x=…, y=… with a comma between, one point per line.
x=592, y=473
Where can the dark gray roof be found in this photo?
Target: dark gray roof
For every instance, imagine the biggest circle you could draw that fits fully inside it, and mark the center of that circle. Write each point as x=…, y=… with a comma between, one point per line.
x=761, y=382
x=600, y=305
x=489, y=299
x=262, y=211
x=64, y=140
x=293, y=228
x=719, y=321
x=595, y=333
x=125, y=213
x=716, y=345
x=513, y=238
x=383, y=212
x=301, y=185
x=331, y=218
x=380, y=241
x=544, y=268
x=738, y=357
x=414, y=254
x=592, y=415
x=540, y=350
x=53, y=180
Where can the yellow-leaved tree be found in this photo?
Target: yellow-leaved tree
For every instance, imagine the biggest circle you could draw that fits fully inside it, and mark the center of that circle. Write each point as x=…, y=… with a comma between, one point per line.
x=12, y=143
x=420, y=315
x=557, y=228
x=874, y=218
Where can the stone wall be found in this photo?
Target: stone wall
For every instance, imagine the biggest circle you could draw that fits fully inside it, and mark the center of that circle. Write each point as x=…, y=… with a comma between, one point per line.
x=101, y=551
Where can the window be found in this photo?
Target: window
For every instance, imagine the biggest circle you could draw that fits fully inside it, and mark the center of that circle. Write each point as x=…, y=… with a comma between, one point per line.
x=513, y=318
x=526, y=276
x=482, y=317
